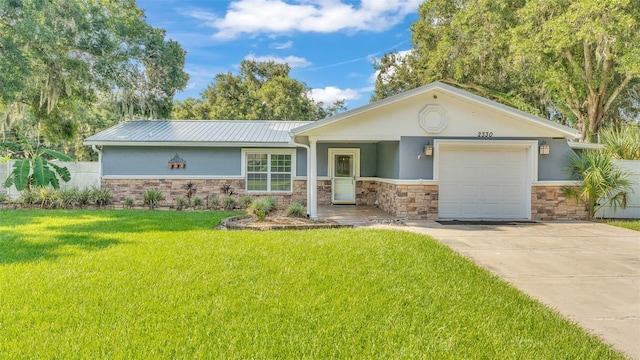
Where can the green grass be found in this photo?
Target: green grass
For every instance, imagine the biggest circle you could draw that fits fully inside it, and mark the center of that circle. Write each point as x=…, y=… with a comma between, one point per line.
x=629, y=224
x=163, y=285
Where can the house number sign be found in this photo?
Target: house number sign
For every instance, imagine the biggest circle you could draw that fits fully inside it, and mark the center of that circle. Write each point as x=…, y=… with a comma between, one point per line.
x=485, y=134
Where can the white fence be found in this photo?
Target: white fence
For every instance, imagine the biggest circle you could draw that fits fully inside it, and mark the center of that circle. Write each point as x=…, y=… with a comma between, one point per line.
x=83, y=174
x=633, y=201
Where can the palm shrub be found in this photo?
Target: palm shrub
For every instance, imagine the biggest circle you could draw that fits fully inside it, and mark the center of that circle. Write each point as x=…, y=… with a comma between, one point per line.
x=4, y=198
x=197, y=201
x=622, y=143
x=214, y=203
x=84, y=197
x=190, y=190
x=36, y=168
x=152, y=196
x=47, y=197
x=128, y=202
x=601, y=181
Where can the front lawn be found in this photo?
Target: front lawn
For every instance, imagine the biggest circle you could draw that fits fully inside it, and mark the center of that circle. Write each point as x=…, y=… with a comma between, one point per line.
x=629, y=224
x=160, y=284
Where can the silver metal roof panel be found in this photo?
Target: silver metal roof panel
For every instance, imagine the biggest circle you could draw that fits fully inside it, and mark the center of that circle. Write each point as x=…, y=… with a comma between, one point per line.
x=196, y=131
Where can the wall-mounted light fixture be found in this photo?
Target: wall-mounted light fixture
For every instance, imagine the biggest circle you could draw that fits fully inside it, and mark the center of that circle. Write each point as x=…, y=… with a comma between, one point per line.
x=544, y=148
x=428, y=149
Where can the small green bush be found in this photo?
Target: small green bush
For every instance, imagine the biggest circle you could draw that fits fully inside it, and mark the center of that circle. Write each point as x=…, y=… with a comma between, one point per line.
x=48, y=197
x=128, y=202
x=197, y=201
x=69, y=197
x=296, y=209
x=214, y=203
x=262, y=207
x=152, y=196
x=245, y=201
x=4, y=198
x=84, y=197
x=27, y=198
x=229, y=202
x=100, y=196
x=181, y=203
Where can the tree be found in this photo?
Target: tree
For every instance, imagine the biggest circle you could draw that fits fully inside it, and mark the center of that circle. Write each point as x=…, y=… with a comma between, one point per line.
x=261, y=91
x=601, y=181
x=34, y=168
x=576, y=62
x=60, y=56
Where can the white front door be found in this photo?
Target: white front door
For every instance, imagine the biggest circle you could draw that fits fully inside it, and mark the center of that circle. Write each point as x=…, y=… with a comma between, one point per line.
x=343, y=176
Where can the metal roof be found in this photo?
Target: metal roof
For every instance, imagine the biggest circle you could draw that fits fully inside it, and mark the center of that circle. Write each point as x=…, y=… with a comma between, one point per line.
x=197, y=132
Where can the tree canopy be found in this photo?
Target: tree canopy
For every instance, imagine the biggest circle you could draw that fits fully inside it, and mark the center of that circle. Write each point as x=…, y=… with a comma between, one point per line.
x=60, y=57
x=574, y=61
x=261, y=91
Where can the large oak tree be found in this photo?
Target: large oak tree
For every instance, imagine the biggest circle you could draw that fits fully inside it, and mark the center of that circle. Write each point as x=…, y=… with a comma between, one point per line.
x=59, y=57
x=575, y=61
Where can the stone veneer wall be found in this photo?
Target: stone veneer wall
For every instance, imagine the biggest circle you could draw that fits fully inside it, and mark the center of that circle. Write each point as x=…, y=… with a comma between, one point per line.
x=550, y=203
x=409, y=201
x=174, y=188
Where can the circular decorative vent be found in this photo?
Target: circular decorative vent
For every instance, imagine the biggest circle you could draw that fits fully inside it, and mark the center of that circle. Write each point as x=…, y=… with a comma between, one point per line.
x=433, y=119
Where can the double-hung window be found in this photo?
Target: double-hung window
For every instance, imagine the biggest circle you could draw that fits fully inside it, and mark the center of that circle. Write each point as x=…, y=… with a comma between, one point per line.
x=269, y=171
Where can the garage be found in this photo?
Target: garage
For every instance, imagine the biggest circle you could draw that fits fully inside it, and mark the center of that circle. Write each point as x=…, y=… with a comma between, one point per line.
x=484, y=181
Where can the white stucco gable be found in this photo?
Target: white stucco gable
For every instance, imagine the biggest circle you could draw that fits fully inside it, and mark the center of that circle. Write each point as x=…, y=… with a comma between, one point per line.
x=437, y=110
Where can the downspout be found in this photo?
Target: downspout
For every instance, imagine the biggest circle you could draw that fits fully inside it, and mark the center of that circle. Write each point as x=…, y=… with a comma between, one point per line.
x=308, y=167
x=95, y=148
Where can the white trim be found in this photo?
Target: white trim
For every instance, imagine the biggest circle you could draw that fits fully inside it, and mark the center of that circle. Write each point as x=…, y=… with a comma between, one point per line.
x=283, y=144
x=269, y=152
x=399, y=181
x=585, y=146
x=332, y=152
x=556, y=183
x=172, y=177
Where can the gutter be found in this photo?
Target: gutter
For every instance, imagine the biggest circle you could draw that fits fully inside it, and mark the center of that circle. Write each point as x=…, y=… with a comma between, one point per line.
x=308, y=167
x=95, y=148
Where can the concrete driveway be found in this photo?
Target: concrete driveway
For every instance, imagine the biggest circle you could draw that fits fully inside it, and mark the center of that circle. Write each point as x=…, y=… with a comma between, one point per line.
x=589, y=272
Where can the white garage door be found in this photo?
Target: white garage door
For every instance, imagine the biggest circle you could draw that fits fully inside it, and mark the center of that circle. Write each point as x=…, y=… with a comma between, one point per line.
x=483, y=183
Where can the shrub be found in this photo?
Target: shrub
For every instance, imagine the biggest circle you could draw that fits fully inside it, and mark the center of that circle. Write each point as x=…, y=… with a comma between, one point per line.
x=197, y=201
x=296, y=210
x=214, y=203
x=261, y=207
x=84, y=197
x=100, y=196
x=48, y=197
x=27, y=198
x=181, y=203
x=190, y=188
x=4, y=198
x=229, y=202
x=69, y=197
x=128, y=202
x=245, y=201
x=152, y=196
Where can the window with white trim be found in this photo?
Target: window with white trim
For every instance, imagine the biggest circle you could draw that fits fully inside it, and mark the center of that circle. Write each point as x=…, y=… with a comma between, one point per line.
x=269, y=171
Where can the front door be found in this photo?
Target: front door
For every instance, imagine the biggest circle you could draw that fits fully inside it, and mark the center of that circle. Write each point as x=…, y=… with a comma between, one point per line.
x=343, y=177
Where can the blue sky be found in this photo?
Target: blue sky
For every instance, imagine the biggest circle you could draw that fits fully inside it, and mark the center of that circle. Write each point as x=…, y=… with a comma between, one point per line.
x=330, y=44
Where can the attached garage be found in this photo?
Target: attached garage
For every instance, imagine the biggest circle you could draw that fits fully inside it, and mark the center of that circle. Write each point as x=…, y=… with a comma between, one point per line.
x=485, y=179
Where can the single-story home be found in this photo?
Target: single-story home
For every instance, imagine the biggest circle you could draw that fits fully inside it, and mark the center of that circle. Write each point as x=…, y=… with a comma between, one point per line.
x=435, y=152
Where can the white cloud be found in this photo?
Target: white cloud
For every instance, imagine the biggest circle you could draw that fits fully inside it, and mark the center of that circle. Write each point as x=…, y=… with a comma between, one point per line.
x=282, y=46
x=255, y=17
x=293, y=61
x=331, y=94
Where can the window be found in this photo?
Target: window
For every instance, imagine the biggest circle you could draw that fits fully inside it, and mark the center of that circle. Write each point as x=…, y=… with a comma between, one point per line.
x=269, y=171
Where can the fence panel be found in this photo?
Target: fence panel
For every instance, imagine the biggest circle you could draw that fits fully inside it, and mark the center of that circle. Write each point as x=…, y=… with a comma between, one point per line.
x=83, y=174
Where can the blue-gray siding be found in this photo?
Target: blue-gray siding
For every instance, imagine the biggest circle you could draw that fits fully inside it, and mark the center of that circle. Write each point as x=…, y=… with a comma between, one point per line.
x=368, y=157
x=388, y=159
